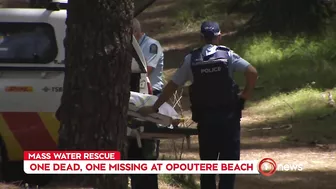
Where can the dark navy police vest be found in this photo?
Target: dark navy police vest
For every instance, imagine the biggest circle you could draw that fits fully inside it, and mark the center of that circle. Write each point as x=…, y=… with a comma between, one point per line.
x=213, y=89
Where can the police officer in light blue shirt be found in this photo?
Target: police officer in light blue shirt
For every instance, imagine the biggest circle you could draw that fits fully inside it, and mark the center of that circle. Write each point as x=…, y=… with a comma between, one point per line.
x=154, y=56
x=216, y=102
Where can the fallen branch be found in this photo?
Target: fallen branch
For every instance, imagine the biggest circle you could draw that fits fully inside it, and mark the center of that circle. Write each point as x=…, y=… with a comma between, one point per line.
x=330, y=102
x=285, y=127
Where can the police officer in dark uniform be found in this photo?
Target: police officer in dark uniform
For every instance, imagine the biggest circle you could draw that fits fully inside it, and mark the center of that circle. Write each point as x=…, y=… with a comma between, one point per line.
x=216, y=102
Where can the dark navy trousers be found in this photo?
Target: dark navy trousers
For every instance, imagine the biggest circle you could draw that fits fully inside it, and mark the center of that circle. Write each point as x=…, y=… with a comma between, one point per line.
x=219, y=138
x=147, y=152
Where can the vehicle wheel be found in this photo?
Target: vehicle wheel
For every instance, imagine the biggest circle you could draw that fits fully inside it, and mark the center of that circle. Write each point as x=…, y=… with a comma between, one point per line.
x=13, y=171
x=10, y=171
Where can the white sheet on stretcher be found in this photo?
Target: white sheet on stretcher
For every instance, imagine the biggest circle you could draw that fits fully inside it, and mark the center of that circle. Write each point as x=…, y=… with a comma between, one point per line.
x=166, y=111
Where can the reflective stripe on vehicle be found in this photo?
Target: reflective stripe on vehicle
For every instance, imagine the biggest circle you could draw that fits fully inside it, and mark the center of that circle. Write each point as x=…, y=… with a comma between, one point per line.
x=14, y=150
x=51, y=123
x=30, y=130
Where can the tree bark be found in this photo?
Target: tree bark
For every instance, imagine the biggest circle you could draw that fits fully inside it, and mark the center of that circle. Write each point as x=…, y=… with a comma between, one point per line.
x=96, y=91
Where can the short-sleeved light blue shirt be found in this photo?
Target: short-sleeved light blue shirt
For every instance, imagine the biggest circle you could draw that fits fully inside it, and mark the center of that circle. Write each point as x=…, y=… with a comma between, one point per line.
x=184, y=74
x=154, y=56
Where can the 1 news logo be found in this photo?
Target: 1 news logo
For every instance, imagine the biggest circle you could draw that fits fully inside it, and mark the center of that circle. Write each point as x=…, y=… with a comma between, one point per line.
x=267, y=167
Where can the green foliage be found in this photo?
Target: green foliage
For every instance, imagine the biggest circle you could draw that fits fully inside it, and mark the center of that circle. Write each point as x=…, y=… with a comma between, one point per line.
x=288, y=63
x=295, y=73
x=287, y=16
x=276, y=15
x=295, y=105
x=307, y=110
x=191, y=11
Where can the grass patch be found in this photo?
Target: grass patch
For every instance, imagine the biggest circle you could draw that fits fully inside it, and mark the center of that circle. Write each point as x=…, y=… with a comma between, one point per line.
x=298, y=105
x=314, y=132
x=285, y=63
x=290, y=63
x=294, y=72
x=191, y=13
x=307, y=110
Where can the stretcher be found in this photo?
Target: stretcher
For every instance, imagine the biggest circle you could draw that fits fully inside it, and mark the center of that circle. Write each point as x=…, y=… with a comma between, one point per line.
x=157, y=125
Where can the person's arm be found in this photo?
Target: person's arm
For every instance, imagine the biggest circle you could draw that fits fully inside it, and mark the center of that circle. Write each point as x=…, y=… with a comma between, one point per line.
x=153, y=58
x=238, y=64
x=180, y=77
x=167, y=92
x=251, y=76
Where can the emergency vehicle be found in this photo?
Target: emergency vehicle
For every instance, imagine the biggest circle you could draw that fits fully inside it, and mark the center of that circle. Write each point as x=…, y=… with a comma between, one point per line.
x=31, y=80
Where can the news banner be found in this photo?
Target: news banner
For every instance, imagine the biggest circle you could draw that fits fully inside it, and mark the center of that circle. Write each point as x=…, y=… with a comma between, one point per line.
x=108, y=162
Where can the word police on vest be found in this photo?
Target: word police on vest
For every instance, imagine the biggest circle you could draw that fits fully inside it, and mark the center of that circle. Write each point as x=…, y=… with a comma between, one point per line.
x=211, y=70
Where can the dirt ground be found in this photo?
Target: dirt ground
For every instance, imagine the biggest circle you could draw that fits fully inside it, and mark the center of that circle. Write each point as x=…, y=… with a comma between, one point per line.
x=319, y=164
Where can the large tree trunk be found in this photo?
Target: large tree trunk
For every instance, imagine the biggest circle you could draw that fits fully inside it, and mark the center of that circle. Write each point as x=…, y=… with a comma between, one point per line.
x=96, y=85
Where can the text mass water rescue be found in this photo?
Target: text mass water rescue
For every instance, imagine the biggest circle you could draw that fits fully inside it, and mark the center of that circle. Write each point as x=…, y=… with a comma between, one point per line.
x=72, y=156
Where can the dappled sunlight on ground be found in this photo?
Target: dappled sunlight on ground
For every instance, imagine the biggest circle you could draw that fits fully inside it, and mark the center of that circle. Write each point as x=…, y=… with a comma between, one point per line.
x=164, y=185
x=249, y=119
x=8, y=186
x=318, y=166
x=312, y=160
x=260, y=139
x=294, y=103
x=285, y=180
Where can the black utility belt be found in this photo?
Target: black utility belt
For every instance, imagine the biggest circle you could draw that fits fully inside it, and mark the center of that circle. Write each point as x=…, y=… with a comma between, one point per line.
x=208, y=110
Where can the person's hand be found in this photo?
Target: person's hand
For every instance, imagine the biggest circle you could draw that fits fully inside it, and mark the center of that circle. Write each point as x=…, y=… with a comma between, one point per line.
x=245, y=95
x=146, y=110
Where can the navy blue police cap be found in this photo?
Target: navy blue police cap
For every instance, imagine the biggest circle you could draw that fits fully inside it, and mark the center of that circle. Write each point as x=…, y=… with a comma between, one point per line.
x=210, y=29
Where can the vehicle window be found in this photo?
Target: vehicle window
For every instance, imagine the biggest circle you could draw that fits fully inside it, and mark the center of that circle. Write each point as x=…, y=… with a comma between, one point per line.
x=27, y=43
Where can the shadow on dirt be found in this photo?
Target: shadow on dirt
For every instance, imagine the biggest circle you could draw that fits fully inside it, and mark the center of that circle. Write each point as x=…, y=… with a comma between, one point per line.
x=282, y=180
